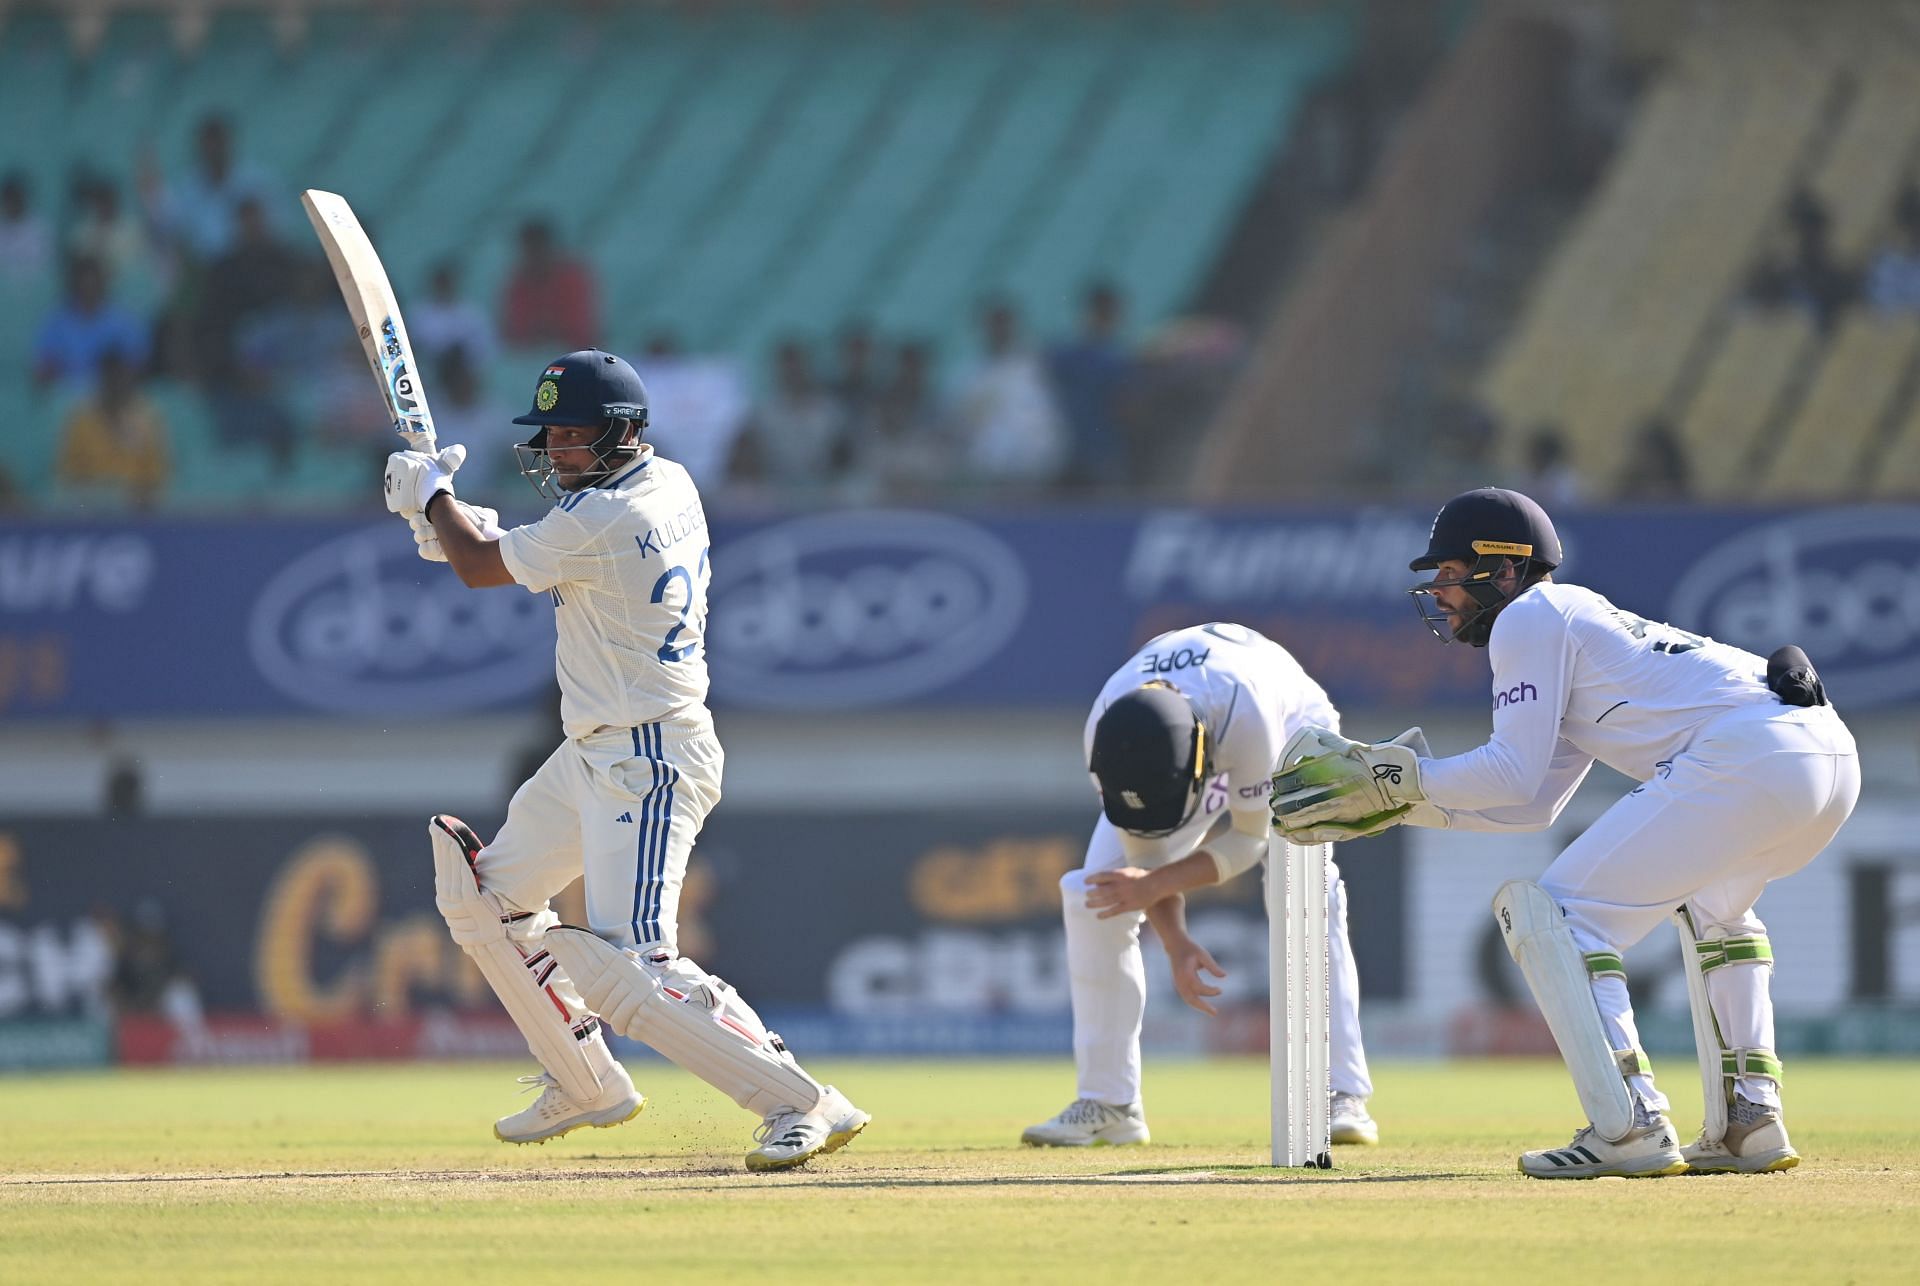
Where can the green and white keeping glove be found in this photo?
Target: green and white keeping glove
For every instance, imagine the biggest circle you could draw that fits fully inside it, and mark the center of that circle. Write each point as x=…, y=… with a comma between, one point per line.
x=1330, y=788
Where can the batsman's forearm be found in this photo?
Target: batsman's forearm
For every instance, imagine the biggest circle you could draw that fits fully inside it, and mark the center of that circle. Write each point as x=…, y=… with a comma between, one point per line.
x=474, y=559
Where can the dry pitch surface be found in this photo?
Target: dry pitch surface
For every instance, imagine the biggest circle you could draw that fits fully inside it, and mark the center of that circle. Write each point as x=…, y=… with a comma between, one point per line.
x=389, y=1174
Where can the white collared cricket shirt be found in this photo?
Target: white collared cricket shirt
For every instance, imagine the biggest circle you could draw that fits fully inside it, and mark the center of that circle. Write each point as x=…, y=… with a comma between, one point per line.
x=626, y=564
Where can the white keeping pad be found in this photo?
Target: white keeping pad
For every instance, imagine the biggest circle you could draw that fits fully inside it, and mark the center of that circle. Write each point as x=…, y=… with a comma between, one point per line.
x=565, y=1040
x=1542, y=945
x=693, y=1018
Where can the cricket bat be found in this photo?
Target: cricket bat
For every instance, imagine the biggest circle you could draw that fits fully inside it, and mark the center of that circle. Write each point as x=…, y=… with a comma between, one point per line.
x=369, y=296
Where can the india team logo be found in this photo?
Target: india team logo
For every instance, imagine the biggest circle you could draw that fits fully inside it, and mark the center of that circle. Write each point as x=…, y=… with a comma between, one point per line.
x=547, y=396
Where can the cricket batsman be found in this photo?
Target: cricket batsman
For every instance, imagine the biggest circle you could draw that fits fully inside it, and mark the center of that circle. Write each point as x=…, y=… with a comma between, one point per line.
x=623, y=554
x=1182, y=745
x=1746, y=773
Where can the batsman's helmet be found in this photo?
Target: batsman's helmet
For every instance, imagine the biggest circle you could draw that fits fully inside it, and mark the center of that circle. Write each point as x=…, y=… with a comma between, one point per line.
x=1484, y=529
x=1151, y=759
x=588, y=388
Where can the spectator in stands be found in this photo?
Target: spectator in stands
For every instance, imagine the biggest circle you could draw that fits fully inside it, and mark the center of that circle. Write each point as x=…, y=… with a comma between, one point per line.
x=1893, y=279
x=905, y=449
x=1656, y=471
x=102, y=230
x=116, y=438
x=1549, y=475
x=1461, y=454
x=1008, y=427
x=550, y=301
x=463, y=413
x=698, y=405
x=85, y=326
x=1182, y=372
x=249, y=335
x=445, y=320
x=197, y=216
x=855, y=382
x=800, y=430
x=26, y=250
x=1090, y=377
x=1805, y=276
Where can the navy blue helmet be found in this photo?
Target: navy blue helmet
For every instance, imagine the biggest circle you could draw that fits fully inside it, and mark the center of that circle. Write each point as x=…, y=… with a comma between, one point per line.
x=591, y=389
x=1485, y=529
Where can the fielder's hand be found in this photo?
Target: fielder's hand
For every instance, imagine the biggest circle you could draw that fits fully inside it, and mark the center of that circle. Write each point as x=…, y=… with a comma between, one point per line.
x=413, y=477
x=1189, y=961
x=427, y=539
x=1119, y=892
x=1359, y=789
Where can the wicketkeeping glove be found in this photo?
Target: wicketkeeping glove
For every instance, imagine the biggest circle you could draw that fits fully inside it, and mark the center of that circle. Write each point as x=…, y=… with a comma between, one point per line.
x=1329, y=787
x=413, y=477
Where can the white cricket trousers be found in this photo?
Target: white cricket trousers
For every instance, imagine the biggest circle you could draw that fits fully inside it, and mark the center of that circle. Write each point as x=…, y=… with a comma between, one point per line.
x=1108, y=982
x=621, y=806
x=1755, y=797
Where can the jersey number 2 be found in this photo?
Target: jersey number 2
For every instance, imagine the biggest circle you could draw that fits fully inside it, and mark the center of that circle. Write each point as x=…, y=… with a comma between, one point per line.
x=668, y=652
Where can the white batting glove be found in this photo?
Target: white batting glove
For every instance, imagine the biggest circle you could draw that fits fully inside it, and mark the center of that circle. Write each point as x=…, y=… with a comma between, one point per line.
x=413, y=477
x=427, y=541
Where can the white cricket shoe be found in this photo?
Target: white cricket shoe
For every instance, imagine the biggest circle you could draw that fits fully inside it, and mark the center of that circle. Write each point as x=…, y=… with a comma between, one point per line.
x=1755, y=1142
x=1650, y=1150
x=1085, y=1123
x=1350, y=1122
x=554, y=1113
x=793, y=1138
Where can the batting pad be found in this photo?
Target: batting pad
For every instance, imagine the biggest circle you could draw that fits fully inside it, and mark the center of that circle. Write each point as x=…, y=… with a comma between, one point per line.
x=562, y=1036
x=1542, y=945
x=690, y=1016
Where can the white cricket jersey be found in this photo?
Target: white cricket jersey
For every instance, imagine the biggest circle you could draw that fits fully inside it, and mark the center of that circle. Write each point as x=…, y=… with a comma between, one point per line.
x=1248, y=691
x=626, y=565
x=1576, y=680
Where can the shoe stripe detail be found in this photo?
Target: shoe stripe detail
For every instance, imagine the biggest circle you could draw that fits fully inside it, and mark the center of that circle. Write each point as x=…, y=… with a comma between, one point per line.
x=1588, y=1155
x=1557, y=1159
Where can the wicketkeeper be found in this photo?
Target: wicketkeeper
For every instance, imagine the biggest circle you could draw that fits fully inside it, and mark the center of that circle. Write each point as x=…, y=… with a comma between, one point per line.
x=623, y=556
x=1182, y=745
x=1746, y=774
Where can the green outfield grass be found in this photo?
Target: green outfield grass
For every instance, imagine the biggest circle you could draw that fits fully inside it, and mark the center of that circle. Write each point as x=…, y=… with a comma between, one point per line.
x=390, y=1174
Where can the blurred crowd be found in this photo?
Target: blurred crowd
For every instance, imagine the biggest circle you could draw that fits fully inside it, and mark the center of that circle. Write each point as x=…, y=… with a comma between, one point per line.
x=207, y=282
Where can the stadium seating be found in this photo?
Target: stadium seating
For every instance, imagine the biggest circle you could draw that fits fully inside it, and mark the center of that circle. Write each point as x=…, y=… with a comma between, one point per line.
x=1642, y=312
x=735, y=175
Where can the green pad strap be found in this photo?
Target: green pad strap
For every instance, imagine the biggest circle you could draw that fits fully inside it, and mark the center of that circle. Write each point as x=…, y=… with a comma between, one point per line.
x=1742, y=950
x=1606, y=964
x=1633, y=1062
x=1751, y=1062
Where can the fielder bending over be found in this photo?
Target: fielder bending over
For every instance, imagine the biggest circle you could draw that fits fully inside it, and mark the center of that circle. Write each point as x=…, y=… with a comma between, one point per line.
x=623, y=555
x=1746, y=774
x=1182, y=745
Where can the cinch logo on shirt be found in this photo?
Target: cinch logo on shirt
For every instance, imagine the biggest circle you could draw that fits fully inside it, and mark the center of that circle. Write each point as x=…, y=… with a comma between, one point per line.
x=1515, y=695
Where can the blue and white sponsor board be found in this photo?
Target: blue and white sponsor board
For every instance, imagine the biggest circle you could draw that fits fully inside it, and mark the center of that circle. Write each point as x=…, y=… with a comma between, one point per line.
x=864, y=608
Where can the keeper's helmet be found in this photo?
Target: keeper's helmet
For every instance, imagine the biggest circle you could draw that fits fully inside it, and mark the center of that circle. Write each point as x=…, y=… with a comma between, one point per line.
x=591, y=389
x=1485, y=529
x=1151, y=760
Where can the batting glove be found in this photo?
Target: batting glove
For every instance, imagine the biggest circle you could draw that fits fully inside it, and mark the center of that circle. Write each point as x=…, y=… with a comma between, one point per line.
x=414, y=476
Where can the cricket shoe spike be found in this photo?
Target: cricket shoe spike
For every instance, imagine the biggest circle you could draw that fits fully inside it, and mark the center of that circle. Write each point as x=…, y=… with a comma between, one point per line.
x=1085, y=1123
x=1650, y=1150
x=1348, y=1121
x=554, y=1114
x=790, y=1137
x=1755, y=1142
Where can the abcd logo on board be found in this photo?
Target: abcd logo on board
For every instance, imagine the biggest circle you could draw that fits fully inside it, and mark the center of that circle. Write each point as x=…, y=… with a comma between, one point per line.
x=1843, y=584
x=354, y=626
x=836, y=610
